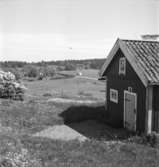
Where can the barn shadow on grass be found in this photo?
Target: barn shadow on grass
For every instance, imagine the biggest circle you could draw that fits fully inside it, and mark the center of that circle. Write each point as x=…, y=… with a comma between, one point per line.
x=90, y=121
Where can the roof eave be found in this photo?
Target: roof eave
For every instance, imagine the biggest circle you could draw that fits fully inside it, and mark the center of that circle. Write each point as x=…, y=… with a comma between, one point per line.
x=102, y=78
x=109, y=57
x=153, y=83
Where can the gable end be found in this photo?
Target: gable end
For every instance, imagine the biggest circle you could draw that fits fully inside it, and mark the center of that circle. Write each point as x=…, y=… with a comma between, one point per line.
x=120, y=45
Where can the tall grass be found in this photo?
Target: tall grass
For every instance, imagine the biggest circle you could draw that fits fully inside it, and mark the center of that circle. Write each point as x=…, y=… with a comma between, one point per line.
x=28, y=117
x=91, y=153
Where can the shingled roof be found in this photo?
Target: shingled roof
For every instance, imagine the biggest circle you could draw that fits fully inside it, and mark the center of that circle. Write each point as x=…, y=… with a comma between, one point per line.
x=142, y=55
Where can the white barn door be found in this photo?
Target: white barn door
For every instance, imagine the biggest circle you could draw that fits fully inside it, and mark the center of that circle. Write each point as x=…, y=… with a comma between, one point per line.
x=130, y=110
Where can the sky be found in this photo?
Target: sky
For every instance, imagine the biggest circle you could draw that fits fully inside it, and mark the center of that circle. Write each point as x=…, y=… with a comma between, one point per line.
x=36, y=30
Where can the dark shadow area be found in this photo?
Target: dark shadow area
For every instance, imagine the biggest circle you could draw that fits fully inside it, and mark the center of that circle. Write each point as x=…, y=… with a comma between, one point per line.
x=81, y=113
x=91, y=121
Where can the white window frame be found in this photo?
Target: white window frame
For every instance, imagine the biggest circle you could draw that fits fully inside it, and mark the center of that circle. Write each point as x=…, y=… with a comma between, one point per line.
x=129, y=89
x=115, y=100
x=122, y=65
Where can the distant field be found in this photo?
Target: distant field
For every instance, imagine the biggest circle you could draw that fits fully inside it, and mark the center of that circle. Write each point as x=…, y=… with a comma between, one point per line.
x=67, y=87
x=88, y=73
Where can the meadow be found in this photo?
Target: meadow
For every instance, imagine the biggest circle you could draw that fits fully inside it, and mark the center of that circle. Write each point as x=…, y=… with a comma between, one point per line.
x=20, y=119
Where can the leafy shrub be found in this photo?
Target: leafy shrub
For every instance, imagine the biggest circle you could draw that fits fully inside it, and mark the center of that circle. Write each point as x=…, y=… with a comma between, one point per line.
x=47, y=95
x=31, y=71
x=147, y=139
x=11, y=90
x=9, y=87
x=69, y=66
x=17, y=74
x=46, y=71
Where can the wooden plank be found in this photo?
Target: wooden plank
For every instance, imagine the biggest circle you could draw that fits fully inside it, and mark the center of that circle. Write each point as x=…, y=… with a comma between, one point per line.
x=157, y=120
x=106, y=90
x=149, y=109
x=126, y=94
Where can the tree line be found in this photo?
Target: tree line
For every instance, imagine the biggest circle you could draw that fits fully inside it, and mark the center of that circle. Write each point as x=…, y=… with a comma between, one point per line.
x=49, y=69
x=61, y=64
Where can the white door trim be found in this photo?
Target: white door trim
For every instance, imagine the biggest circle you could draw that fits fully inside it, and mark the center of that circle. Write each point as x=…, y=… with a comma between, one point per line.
x=149, y=109
x=135, y=95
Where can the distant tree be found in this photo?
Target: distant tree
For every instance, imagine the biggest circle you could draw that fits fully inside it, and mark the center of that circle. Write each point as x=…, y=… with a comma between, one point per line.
x=60, y=68
x=16, y=72
x=60, y=65
x=46, y=71
x=13, y=64
x=70, y=66
x=31, y=71
x=52, y=71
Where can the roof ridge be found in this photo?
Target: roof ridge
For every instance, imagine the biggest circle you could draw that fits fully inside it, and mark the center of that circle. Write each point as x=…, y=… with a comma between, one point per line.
x=138, y=40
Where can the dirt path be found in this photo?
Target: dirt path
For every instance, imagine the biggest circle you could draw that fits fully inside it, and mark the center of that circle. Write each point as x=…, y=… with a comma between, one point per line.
x=85, y=77
x=61, y=132
x=68, y=101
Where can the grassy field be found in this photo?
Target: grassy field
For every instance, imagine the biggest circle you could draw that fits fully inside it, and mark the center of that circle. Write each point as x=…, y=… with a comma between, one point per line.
x=87, y=73
x=73, y=87
x=19, y=120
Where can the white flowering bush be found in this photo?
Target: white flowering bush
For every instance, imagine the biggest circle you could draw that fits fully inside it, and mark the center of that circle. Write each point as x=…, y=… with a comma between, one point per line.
x=6, y=76
x=12, y=152
x=19, y=159
x=9, y=87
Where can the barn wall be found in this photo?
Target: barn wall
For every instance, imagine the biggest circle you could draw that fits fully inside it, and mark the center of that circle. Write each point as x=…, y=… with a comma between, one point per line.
x=155, y=120
x=121, y=83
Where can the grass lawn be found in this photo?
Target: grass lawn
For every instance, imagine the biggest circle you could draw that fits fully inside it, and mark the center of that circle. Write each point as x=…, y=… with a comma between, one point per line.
x=74, y=87
x=87, y=73
x=92, y=153
x=19, y=120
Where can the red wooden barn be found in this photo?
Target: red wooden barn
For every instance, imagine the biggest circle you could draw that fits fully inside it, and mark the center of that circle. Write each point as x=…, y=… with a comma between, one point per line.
x=131, y=72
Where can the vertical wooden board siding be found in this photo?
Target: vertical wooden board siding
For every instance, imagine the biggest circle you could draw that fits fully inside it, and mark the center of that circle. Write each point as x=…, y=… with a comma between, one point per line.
x=155, y=126
x=121, y=83
x=146, y=115
x=106, y=94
